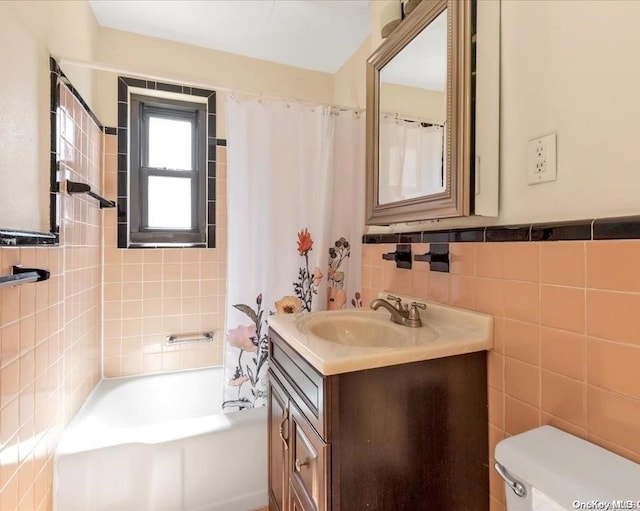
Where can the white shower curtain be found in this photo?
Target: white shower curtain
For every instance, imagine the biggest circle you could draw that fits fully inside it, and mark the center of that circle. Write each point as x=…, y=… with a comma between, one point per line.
x=295, y=221
x=411, y=159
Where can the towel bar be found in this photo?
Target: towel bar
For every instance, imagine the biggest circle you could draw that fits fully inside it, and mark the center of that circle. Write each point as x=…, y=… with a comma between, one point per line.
x=179, y=339
x=22, y=275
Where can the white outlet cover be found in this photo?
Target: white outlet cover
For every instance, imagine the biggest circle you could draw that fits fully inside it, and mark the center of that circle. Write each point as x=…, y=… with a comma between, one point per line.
x=548, y=160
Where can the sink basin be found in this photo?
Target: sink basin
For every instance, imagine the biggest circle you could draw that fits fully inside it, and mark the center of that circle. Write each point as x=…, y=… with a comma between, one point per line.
x=364, y=328
x=358, y=330
x=347, y=340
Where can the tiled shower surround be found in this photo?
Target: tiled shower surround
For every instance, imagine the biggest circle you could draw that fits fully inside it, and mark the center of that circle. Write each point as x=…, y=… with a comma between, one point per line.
x=567, y=342
x=152, y=293
x=50, y=331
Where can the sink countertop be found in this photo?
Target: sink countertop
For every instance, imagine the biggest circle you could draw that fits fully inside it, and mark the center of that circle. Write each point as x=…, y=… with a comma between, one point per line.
x=446, y=331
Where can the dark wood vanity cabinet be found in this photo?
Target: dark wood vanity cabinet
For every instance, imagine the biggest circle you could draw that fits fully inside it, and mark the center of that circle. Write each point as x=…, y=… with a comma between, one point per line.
x=407, y=437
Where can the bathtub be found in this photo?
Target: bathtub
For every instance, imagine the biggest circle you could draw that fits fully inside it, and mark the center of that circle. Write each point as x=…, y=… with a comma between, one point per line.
x=162, y=443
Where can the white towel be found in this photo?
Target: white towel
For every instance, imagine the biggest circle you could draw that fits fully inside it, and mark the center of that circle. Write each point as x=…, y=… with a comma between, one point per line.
x=540, y=502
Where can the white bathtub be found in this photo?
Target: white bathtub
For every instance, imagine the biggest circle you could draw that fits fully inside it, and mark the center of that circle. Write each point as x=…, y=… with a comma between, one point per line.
x=162, y=443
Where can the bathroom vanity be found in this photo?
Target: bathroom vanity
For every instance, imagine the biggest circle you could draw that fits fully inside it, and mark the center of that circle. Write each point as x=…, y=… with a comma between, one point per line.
x=357, y=426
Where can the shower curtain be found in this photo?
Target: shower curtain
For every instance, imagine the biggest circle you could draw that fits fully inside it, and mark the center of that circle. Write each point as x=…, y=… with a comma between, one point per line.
x=296, y=182
x=412, y=159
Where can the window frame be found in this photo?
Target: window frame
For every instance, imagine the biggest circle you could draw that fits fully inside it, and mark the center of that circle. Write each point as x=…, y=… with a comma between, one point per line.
x=140, y=234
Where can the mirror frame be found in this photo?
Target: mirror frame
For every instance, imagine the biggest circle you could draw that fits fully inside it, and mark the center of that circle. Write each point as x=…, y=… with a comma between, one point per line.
x=455, y=201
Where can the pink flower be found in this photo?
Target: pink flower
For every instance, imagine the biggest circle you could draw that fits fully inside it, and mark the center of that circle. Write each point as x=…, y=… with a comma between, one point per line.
x=242, y=337
x=239, y=380
x=317, y=276
x=336, y=298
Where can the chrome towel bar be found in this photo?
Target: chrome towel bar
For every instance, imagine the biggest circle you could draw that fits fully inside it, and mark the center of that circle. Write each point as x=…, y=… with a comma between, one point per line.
x=178, y=339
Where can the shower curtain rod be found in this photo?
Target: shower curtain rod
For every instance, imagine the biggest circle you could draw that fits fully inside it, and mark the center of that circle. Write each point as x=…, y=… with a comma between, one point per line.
x=423, y=120
x=192, y=83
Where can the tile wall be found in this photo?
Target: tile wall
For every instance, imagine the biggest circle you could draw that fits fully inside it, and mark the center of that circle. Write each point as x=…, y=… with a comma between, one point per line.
x=152, y=293
x=50, y=331
x=567, y=343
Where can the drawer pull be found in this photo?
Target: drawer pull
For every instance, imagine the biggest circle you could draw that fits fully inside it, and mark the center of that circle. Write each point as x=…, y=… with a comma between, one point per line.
x=285, y=418
x=299, y=464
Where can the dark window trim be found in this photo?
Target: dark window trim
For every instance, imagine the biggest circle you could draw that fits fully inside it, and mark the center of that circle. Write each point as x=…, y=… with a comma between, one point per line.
x=141, y=108
x=122, y=131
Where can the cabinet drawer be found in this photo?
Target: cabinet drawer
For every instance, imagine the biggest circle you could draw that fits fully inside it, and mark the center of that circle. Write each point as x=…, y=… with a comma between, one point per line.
x=306, y=385
x=309, y=463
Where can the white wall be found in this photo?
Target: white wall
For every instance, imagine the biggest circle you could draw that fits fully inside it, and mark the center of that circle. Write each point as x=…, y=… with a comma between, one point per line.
x=349, y=83
x=412, y=102
x=569, y=67
x=566, y=67
x=182, y=63
x=29, y=33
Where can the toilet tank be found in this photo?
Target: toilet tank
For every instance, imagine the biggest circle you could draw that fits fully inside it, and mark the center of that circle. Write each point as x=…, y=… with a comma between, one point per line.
x=568, y=470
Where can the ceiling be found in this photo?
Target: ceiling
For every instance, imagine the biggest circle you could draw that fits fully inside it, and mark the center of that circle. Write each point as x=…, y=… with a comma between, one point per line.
x=313, y=34
x=423, y=62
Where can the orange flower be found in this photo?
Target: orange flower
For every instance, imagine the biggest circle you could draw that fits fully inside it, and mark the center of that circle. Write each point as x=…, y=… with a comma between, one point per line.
x=304, y=242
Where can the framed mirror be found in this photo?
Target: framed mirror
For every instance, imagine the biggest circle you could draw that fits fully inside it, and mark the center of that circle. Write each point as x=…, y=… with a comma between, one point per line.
x=419, y=120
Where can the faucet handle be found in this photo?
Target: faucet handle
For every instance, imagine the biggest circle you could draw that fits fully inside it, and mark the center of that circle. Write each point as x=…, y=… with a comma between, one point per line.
x=398, y=301
x=413, y=313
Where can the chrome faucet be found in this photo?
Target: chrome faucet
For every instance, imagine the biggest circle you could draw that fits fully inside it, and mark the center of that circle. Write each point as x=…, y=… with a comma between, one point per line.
x=400, y=313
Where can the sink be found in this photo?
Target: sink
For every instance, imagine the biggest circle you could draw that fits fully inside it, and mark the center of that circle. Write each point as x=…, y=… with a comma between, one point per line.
x=363, y=328
x=335, y=342
x=356, y=331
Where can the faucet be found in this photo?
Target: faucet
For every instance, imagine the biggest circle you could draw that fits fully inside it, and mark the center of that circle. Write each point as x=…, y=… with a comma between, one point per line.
x=400, y=313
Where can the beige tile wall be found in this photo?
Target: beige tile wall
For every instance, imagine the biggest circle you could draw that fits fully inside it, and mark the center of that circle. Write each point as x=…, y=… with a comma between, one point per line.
x=50, y=331
x=152, y=293
x=567, y=343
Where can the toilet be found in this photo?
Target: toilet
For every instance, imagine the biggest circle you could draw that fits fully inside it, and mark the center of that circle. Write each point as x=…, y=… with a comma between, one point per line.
x=546, y=469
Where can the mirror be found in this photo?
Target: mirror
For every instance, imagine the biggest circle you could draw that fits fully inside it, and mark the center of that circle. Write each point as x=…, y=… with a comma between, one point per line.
x=419, y=122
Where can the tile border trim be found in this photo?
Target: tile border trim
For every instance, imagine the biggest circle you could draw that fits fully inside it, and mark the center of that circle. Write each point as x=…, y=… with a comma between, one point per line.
x=55, y=69
x=618, y=228
x=121, y=131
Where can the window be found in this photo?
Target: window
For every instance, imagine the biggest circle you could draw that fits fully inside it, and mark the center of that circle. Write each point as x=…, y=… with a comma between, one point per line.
x=168, y=172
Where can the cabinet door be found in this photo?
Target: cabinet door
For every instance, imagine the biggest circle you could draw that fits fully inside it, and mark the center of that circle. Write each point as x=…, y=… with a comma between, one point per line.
x=309, y=462
x=295, y=503
x=278, y=447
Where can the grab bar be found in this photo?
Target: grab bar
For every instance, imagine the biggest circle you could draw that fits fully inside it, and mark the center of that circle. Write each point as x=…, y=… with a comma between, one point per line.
x=20, y=275
x=178, y=339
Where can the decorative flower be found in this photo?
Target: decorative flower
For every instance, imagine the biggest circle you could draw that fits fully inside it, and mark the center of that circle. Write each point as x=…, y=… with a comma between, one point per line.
x=242, y=337
x=317, y=276
x=259, y=299
x=236, y=382
x=288, y=305
x=304, y=242
x=336, y=298
x=337, y=277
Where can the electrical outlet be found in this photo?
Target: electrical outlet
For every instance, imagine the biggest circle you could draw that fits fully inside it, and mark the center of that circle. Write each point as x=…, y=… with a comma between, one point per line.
x=541, y=165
